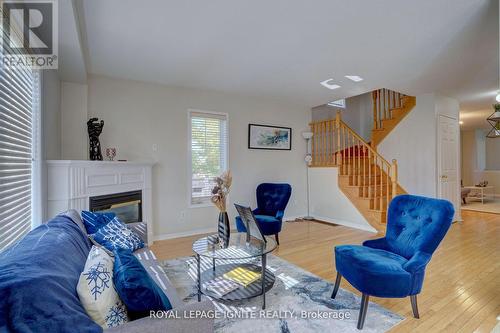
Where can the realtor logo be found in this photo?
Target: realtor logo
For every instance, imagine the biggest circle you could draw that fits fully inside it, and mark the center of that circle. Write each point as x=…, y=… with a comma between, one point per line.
x=29, y=34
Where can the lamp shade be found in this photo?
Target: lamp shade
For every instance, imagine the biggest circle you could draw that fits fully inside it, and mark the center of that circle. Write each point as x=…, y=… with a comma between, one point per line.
x=494, y=133
x=495, y=116
x=307, y=135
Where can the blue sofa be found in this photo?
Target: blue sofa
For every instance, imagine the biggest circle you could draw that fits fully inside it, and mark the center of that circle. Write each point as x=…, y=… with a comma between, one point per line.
x=394, y=266
x=39, y=275
x=271, y=203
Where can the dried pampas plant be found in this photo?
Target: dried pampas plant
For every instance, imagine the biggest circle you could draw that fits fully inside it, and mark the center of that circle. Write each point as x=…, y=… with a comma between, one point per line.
x=221, y=190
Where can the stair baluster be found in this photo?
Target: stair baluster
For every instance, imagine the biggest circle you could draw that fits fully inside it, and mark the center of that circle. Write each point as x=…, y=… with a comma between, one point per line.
x=365, y=172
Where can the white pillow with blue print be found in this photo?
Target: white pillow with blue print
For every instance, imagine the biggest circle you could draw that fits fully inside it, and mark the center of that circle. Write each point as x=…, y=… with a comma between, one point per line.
x=97, y=293
x=116, y=235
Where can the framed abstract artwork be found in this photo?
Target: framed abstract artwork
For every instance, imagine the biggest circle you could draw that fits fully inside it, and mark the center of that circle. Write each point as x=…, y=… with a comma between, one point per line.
x=269, y=137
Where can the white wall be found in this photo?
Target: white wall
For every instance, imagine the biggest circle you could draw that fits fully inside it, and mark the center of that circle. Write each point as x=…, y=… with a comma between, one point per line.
x=50, y=137
x=480, y=137
x=358, y=114
x=476, y=153
x=468, y=156
x=413, y=144
x=138, y=115
x=328, y=203
x=492, y=153
x=51, y=115
x=74, y=121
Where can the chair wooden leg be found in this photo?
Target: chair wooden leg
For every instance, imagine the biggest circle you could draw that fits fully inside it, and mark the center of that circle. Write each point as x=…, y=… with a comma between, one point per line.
x=414, y=307
x=337, y=285
x=277, y=239
x=362, y=311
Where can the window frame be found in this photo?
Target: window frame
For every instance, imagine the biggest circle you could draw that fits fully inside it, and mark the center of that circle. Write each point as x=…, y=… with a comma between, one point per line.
x=338, y=104
x=190, y=157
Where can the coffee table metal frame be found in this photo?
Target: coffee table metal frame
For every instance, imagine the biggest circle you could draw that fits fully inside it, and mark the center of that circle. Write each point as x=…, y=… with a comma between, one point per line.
x=209, y=247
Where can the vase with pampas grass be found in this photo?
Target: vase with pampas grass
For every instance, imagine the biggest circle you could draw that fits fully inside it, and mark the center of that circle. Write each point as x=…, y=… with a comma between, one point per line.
x=219, y=198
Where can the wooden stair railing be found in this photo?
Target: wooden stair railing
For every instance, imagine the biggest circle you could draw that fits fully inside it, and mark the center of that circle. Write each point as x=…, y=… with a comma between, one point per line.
x=365, y=176
x=384, y=102
x=389, y=108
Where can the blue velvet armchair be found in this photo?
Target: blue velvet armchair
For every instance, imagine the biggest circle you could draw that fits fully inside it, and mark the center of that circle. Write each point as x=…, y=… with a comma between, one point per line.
x=394, y=266
x=271, y=203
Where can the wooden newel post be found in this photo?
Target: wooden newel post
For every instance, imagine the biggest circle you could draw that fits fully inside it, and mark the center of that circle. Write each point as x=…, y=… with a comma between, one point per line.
x=394, y=177
x=374, y=96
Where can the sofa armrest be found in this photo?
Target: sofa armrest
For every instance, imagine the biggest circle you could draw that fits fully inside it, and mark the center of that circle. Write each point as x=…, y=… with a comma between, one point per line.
x=183, y=323
x=141, y=229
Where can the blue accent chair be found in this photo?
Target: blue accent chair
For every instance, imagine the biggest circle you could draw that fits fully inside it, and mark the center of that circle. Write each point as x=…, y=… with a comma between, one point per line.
x=271, y=203
x=394, y=266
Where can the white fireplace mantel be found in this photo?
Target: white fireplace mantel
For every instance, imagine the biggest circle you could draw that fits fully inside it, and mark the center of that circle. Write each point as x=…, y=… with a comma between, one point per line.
x=70, y=184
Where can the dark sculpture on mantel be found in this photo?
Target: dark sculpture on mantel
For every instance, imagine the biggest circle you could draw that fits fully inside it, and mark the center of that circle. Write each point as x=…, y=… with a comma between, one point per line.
x=94, y=127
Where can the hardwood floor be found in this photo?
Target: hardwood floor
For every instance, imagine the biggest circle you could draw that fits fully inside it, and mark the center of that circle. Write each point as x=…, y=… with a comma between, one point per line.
x=461, y=292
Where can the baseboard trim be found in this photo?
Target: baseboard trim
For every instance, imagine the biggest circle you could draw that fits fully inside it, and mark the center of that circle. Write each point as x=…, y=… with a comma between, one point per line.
x=204, y=231
x=345, y=223
x=184, y=234
x=292, y=218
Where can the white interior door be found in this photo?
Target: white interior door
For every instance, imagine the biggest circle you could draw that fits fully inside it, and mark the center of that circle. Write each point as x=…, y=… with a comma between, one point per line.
x=448, y=172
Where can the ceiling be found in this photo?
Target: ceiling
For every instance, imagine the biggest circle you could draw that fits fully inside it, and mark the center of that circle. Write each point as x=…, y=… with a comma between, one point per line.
x=283, y=49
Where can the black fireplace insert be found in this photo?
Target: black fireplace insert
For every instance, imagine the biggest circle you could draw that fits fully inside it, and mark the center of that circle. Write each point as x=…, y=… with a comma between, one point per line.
x=126, y=205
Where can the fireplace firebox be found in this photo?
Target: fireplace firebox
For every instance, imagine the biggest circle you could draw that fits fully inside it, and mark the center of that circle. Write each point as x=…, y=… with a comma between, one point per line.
x=126, y=205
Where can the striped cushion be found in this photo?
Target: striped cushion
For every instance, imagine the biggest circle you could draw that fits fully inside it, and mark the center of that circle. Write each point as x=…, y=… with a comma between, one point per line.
x=145, y=254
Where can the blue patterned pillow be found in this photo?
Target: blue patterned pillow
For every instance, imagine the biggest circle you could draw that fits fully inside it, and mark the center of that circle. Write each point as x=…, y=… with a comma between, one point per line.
x=136, y=288
x=95, y=221
x=116, y=235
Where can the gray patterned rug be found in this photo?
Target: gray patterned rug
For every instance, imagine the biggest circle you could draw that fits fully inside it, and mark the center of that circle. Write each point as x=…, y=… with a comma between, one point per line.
x=299, y=301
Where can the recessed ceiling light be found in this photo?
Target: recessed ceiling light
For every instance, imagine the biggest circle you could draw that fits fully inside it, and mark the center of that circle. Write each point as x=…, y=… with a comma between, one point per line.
x=329, y=84
x=354, y=78
x=461, y=122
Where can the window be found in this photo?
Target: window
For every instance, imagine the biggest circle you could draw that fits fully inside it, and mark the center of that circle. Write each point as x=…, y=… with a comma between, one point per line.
x=340, y=103
x=19, y=104
x=209, y=150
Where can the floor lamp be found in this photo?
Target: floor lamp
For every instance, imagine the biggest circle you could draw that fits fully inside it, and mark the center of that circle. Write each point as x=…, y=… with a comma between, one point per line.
x=307, y=136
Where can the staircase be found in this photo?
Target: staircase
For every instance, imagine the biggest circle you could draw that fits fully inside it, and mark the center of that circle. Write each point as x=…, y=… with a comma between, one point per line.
x=389, y=108
x=365, y=177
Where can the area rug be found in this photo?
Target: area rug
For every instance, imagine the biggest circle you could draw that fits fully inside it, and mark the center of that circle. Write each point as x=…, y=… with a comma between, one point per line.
x=299, y=301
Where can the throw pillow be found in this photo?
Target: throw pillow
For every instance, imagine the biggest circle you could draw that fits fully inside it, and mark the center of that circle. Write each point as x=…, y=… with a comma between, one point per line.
x=135, y=287
x=116, y=235
x=95, y=221
x=97, y=293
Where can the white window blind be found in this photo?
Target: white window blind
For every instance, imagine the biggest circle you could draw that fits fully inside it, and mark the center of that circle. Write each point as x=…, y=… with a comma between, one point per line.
x=209, y=148
x=19, y=102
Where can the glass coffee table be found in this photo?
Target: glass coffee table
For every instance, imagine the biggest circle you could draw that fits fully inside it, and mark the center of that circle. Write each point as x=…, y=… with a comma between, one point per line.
x=239, y=253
